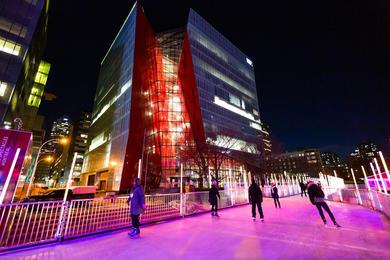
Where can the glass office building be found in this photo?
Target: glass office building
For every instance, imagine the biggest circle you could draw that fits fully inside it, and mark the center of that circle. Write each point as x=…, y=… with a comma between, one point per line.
x=23, y=74
x=159, y=94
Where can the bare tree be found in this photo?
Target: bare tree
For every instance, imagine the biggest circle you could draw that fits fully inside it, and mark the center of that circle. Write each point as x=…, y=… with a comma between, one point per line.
x=218, y=151
x=192, y=156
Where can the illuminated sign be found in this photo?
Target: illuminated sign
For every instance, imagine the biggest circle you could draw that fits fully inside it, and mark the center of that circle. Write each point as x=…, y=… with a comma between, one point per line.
x=13, y=148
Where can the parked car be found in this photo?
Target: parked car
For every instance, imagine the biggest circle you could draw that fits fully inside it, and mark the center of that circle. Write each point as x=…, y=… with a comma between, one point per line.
x=75, y=192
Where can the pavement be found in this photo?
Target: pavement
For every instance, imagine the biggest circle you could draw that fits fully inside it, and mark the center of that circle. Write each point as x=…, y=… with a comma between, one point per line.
x=293, y=232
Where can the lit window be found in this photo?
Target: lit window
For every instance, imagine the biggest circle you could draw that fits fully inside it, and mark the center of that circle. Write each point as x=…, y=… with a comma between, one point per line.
x=234, y=100
x=43, y=72
x=9, y=47
x=249, y=62
x=3, y=88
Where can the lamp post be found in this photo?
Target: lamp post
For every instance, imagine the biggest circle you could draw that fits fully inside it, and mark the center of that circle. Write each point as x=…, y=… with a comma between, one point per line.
x=63, y=141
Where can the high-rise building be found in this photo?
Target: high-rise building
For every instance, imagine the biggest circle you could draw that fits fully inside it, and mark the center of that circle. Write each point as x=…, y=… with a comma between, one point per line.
x=330, y=158
x=23, y=73
x=306, y=161
x=79, y=144
x=364, y=154
x=159, y=94
x=61, y=128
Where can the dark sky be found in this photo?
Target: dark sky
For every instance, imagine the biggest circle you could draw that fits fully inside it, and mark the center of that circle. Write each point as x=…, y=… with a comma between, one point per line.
x=322, y=67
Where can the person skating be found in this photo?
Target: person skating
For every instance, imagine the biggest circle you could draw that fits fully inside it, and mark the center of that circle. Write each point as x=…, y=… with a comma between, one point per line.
x=303, y=188
x=256, y=198
x=213, y=194
x=137, y=206
x=316, y=196
x=275, y=195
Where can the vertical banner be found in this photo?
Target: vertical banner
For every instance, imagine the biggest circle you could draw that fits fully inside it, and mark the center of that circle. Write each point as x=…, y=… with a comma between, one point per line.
x=13, y=148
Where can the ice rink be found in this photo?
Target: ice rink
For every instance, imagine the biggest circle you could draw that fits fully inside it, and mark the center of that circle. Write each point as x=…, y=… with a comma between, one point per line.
x=293, y=232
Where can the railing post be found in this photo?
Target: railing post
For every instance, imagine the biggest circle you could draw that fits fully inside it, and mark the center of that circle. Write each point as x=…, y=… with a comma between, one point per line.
x=62, y=221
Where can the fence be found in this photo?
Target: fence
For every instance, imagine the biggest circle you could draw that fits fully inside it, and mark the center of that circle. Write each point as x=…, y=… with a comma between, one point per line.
x=25, y=224
x=370, y=199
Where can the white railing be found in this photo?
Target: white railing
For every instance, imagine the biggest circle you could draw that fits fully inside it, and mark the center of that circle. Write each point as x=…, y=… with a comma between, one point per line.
x=370, y=199
x=24, y=224
x=283, y=190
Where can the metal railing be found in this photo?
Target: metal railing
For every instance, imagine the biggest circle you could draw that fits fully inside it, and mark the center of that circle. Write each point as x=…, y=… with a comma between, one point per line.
x=370, y=199
x=24, y=224
x=283, y=190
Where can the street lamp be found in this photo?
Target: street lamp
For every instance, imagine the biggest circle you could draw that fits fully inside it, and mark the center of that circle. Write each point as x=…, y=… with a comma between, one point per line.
x=62, y=141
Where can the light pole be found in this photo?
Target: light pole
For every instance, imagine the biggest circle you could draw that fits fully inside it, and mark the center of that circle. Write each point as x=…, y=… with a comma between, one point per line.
x=62, y=141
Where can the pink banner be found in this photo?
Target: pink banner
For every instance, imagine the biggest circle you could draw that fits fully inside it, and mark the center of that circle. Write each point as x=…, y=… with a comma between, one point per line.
x=13, y=148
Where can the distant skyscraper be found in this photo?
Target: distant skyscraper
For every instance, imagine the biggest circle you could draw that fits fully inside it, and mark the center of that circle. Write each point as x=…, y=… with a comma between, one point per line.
x=363, y=155
x=23, y=73
x=62, y=128
x=159, y=94
x=329, y=158
x=79, y=143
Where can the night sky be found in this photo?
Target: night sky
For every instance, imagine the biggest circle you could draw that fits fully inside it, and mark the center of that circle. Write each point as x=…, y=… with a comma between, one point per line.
x=322, y=67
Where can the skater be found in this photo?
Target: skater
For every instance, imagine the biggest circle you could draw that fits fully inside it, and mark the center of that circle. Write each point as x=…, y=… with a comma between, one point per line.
x=316, y=196
x=303, y=188
x=275, y=195
x=256, y=198
x=213, y=194
x=137, y=206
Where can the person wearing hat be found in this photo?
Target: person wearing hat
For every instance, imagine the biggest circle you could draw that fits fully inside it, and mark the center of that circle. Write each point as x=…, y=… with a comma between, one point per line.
x=275, y=195
x=256, y=198
x=317, y=198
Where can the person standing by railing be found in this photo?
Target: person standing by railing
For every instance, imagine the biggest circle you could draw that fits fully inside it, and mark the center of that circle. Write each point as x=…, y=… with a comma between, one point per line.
x=213, y=194
x=317, y=198
x=137, y=206
x=275, y=195
x=256, y=198
x=303, y=188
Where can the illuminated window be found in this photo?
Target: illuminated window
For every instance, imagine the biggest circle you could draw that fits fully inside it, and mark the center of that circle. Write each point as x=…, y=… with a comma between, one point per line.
x=3, y=88
x=234, y=100
x=35, y=96
x=9, y=47
x=43, y=72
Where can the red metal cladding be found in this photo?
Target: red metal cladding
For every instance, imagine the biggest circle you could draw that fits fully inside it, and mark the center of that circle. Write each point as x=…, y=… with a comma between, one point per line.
x=187, y=82
x=144, y=59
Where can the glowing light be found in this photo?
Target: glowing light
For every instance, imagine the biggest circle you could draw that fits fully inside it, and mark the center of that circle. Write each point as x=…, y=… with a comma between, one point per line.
x=365, y=178
x=234, y=109
x=385, y=167
x=376, y=179
x=9, y=47
x=249, y=62
x=380, y=175
x=356, y=187
x=3, y=88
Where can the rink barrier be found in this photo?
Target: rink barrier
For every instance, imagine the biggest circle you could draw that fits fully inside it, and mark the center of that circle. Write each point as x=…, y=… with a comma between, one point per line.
x=371, y=199
x=34, y=223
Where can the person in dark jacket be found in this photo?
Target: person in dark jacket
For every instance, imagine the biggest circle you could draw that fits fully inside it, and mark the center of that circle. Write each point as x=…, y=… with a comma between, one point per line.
x=137, y=206
x=275, y=195
x=303, y=188
x=317, y=198
x=256, y=198
x=213, y=194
